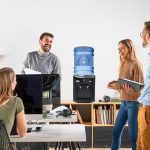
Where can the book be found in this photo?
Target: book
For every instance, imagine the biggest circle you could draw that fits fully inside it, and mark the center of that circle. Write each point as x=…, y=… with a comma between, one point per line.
x=135, y=85
x=97, y=116
x=79, y=117
x=101, y=114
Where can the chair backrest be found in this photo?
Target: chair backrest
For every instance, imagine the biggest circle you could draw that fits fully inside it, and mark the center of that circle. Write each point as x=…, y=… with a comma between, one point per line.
x=5, y=143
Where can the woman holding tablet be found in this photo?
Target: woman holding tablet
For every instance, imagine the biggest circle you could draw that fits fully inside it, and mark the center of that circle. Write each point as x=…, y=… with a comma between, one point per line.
x=130, y=68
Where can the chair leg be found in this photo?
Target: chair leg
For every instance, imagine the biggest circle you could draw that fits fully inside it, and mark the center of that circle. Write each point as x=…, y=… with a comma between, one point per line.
x=56, y=145
x=70, y=146
x=60, y=144
x=73, y=145
x=78, y=145
x=63, y=146
x=46, y=146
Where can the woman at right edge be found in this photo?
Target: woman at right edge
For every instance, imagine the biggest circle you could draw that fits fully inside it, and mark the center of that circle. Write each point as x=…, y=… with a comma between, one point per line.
x=130, y=68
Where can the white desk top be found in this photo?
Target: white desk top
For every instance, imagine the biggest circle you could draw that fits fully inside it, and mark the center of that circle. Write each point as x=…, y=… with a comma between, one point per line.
x=55, y=133
x=53, y=118
x=60, y=119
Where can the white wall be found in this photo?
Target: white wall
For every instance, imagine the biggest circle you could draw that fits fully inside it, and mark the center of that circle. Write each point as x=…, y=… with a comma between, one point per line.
x=97, y=23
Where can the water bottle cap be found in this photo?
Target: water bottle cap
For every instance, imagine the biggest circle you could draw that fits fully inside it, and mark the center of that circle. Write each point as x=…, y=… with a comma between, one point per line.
x=84, y=49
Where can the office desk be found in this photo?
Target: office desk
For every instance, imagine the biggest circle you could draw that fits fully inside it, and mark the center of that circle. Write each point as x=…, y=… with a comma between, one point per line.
x=55, y=133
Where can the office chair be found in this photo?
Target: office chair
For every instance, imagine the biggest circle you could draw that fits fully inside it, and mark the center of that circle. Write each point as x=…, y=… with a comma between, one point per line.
x=5, y=143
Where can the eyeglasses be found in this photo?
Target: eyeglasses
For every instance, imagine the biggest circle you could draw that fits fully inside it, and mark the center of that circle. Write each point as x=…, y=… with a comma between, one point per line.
x=143, y=33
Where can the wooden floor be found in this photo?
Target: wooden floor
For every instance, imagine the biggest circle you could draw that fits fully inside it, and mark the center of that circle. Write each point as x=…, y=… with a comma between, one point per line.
x=104, y=149
x=95, y=149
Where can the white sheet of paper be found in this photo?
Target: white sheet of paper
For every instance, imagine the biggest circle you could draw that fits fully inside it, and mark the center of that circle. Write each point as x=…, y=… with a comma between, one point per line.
x=30, y=71
x=55, y=111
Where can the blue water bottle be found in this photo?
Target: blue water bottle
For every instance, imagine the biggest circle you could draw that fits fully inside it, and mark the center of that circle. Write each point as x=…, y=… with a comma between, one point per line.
x=83, y=60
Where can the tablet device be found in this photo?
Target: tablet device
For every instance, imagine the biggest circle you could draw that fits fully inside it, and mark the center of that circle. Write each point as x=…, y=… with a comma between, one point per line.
x=135, y=85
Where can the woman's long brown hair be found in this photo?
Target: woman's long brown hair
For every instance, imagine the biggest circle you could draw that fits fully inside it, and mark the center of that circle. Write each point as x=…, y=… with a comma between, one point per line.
x=131, y=55
x=7, y=76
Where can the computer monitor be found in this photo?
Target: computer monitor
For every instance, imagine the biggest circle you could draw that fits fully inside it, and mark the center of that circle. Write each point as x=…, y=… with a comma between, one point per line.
x=36, y=91
x=51, y=90
x=30, y=89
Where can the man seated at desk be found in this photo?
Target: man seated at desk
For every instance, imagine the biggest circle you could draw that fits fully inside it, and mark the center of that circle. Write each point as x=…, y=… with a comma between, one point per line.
x=42, y=61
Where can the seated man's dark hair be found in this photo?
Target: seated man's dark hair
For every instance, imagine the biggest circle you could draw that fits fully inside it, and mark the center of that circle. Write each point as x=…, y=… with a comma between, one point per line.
x=46, y=34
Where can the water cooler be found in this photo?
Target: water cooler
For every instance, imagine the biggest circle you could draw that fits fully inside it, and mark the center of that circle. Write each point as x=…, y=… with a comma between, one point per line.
x=84, y=78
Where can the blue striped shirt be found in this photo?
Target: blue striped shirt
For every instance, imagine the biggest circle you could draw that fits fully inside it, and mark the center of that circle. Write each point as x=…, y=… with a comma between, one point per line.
x=145, y=93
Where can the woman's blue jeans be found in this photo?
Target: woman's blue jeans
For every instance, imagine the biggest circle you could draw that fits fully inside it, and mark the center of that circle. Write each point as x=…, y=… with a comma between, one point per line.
x=128, y=112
